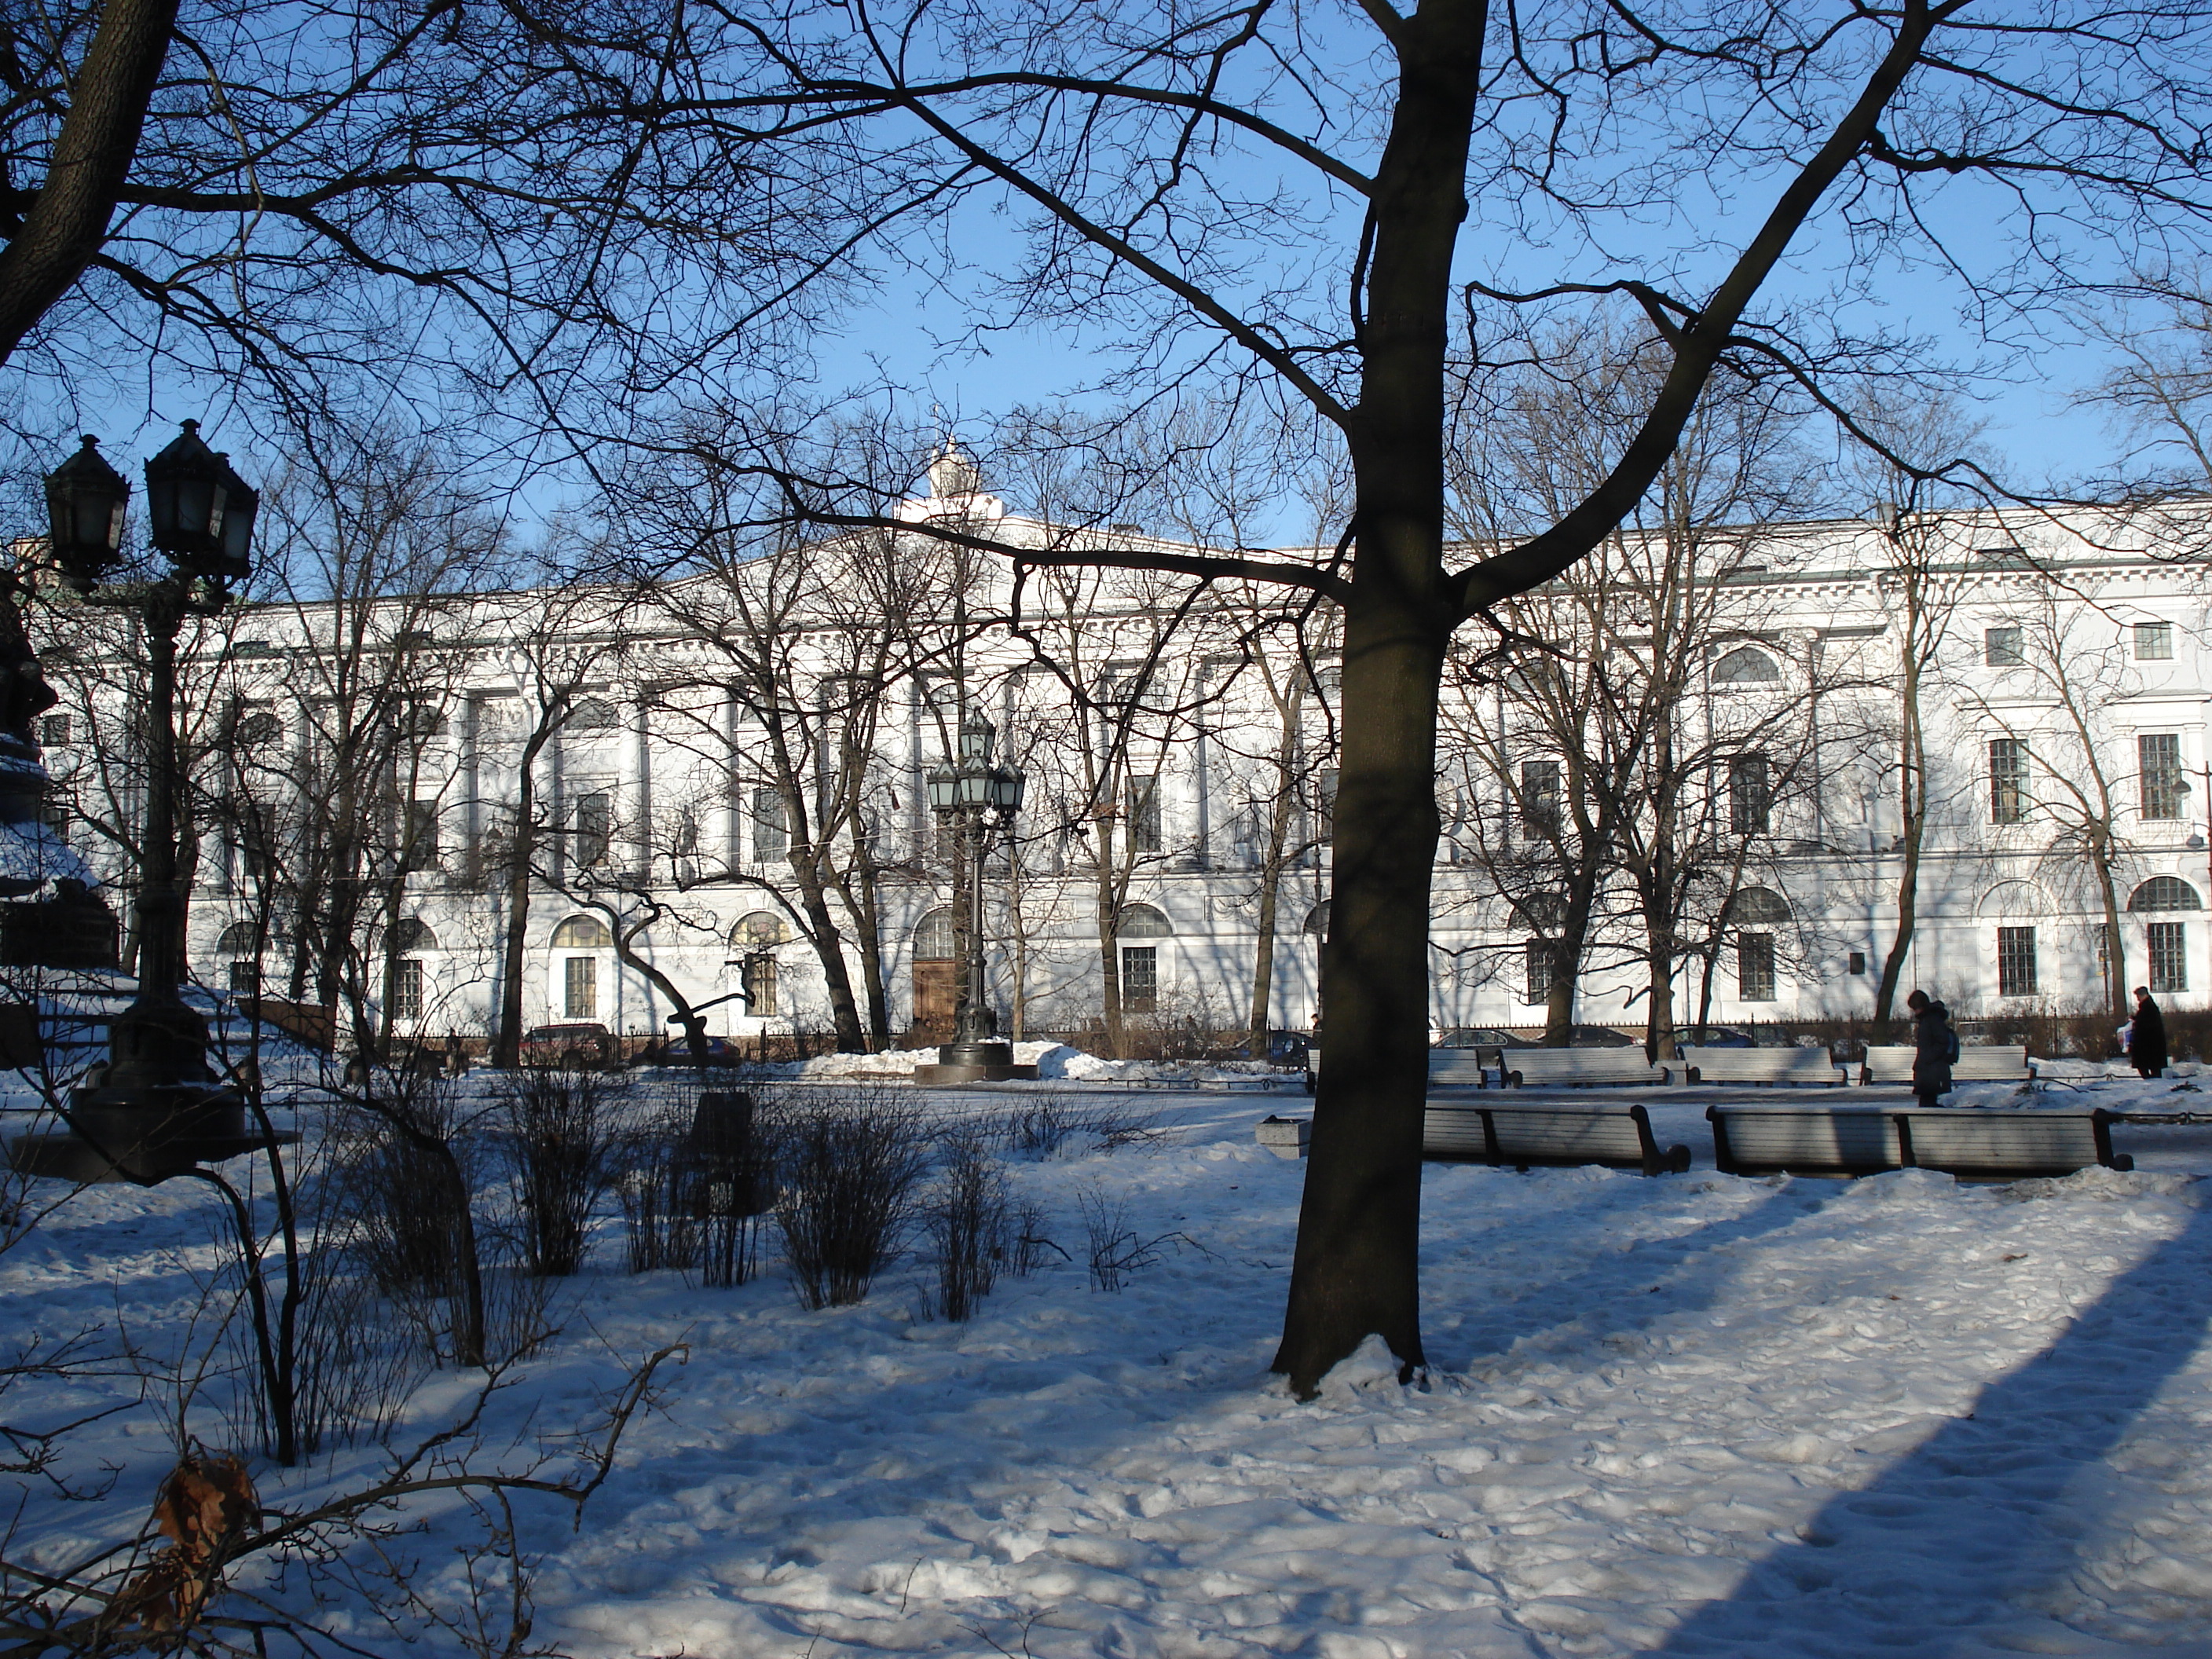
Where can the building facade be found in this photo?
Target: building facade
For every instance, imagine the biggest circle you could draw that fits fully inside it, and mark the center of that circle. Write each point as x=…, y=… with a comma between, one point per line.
x=1693, y=776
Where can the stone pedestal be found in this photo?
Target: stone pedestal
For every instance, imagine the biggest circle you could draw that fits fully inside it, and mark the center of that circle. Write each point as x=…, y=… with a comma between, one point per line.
x=941, y=1075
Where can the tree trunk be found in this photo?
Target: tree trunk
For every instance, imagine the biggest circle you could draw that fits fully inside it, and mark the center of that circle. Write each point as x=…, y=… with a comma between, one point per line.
x=506, y=1040
x=1356, y=1268
x=1913, y=804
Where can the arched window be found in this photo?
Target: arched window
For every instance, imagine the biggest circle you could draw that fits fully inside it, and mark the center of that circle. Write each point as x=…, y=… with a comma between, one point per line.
x=1141, y=921
x=592, y=714
x=2165, y=893
x=758, y=930
x=238, y=940
x=1746, y=666
x=1755, y=905
x=1317, y=920
x=1543, y=912
x=582, y=934
x=2013, y=898
x=933, y=936
x=259, y=730
x=411, y=933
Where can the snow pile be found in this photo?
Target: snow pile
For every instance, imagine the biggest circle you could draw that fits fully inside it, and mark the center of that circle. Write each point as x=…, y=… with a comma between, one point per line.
x=1055, y=1061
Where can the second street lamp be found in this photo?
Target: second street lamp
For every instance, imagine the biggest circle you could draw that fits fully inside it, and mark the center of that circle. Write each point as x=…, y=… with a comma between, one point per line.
x=975, y=800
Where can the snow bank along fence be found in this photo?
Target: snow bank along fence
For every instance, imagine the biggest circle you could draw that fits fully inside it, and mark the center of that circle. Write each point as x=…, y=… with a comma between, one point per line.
x=1855, y=1140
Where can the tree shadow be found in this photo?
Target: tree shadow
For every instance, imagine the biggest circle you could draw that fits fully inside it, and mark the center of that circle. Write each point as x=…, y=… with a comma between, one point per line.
x=1628, y=1289
x=1959, y=1546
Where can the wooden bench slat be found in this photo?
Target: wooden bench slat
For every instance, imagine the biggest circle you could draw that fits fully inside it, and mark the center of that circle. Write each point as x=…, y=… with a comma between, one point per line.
x=1619, y=1137
x=1870, y=1139
x=1892, y=1063
x=1801, y=1066
x=1580, y=1066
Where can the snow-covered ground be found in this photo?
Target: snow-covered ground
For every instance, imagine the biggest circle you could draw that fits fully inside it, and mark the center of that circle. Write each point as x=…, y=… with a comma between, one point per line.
x=1694, y=1414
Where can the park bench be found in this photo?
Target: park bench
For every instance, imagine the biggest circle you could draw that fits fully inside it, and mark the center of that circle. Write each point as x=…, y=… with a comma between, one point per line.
x=1990, y=1064
x=1858, y=1141
x=1811, y=1066
x=1460, y=1068
x=1528, y=1067
x=1619, y=1137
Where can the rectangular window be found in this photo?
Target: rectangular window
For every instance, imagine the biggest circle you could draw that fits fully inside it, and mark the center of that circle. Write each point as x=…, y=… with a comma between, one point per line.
x=771, y=826
x=2002, y=646
x=1325, y=802
x=1858, y=962
x=2158, y=756
x=2153, y=642
x=1536, y=978
x=405, y=1002
x=1754, y=967
x=1144, y=815
x=1140, y=979
x=57, y=811
x=581, y=985
x=421, y=852
x=2016, y=974
x=1539, y=798
x=594, y=827
x=2008, y=780
x=1750, y=803
x=246, y=977
x=2169, y=955
x=54, y=732
x=758, y=975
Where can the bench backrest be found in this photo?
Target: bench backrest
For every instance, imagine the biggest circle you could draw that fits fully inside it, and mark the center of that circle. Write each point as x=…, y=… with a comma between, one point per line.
x=1762, y=1065
x=1887, y=1063
x=1619, y=1137
x=1460, y=1066
x=1583, y=1066
x=1993, y=1064
x=1867, y=1140
x=1996, y=1064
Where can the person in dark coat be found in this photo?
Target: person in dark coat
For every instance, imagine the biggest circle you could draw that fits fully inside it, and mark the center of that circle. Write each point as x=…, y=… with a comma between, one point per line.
x=1931, y=1047
x=2147, y=1037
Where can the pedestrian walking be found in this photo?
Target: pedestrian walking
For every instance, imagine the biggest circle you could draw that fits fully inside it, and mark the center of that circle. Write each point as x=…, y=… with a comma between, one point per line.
x=1931, y=1047
x=2147, y=1036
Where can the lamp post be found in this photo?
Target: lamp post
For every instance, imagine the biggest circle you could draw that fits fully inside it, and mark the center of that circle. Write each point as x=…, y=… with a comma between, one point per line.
x=153, y=1109
x=976, y=800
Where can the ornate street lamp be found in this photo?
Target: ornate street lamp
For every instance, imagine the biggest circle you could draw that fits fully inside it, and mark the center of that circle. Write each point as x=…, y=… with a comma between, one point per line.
x=976, y=801
x=154, y=1109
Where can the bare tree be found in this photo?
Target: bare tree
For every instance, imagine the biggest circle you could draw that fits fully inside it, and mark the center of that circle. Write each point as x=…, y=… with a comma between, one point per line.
x=1127, y=161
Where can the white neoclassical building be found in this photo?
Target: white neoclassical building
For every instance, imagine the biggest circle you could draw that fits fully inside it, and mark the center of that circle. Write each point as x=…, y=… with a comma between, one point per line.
x=716, y=788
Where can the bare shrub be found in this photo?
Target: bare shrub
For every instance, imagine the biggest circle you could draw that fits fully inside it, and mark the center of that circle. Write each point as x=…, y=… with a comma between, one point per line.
x=1116, y=1249
x=1028, y=1241
x=731, y=1156
x=848, y=1166
x=967, y=1214
x=562, y=1135
x=399, y=1181
x=694, y=1185
x=653, y=1190
x=1050, y=1120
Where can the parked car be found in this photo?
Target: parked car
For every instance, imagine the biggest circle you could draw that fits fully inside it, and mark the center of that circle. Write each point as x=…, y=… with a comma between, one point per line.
x=581, y=1046
x=1482, y=1036
x=1715, y=1036
x=1284, y=1049
x=677, y=1051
